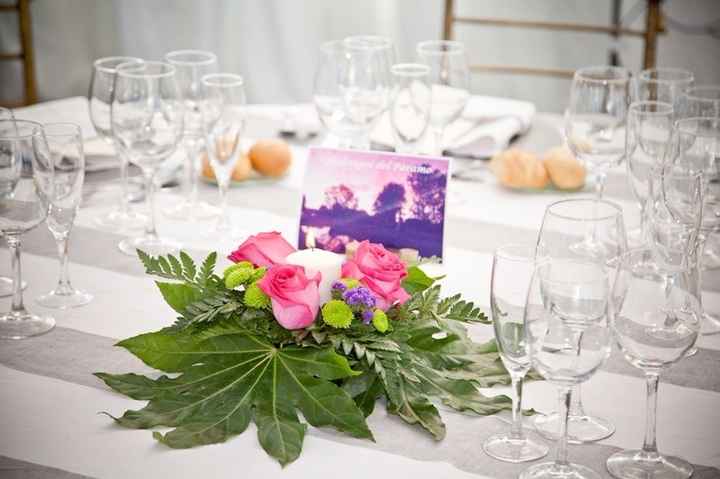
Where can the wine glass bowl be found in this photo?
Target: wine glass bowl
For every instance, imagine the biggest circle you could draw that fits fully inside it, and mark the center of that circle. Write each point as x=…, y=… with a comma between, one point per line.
x=25, y=194
x=595, y=119
x=410, y=105
x=700, y=101
x=662, y=84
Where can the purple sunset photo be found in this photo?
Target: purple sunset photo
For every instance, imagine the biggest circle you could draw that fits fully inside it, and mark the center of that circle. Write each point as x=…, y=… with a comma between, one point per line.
x=396, y=200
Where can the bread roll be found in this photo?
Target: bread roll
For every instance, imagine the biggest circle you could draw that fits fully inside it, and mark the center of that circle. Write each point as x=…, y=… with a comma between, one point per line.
x=270, y=157
x=565, y=171
x=519, y=169
x=242, y=170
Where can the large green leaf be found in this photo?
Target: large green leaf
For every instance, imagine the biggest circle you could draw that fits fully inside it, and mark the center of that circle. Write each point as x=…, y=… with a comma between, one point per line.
x=228, y=380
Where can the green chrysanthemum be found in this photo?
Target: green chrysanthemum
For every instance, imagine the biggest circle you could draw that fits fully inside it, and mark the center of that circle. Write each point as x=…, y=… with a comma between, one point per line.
x=258, y=274
x=256, y=297
x=237, y=277
x=350, y=282
x=236, y=266
x=380, y=320
x=337, y=314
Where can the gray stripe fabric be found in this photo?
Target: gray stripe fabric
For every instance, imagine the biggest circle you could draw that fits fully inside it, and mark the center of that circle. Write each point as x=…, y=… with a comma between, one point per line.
x=72, y=356
x=16, y=469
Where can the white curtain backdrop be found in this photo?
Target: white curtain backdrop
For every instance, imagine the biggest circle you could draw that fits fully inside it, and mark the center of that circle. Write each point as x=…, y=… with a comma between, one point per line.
x=274, y=43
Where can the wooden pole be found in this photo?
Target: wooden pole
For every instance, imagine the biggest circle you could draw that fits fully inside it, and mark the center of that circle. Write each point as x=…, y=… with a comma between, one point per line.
x=27, y=51
x=448, y=21
x=652, y=27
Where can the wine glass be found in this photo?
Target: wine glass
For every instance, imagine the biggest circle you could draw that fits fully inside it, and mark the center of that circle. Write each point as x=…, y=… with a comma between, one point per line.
x=513, y=267
x=662, y=84
x=700, y=101
x=190, y=67
x=410, y=105
x=100, y=97
x=565, y=225
x=6, y=283
x=649, y=128
x=61, y=145
x=595, y=119
x=655, y=326
x=147, y=121
x=450, y=80
x=224, y=120
x=568, y=339
x=365, y=83
x=26, y=183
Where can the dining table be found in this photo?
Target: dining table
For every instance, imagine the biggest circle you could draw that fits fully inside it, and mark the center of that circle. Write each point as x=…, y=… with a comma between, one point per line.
x=51, y=406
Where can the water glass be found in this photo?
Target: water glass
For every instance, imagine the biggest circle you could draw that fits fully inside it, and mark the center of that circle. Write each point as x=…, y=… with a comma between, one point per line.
x=512, y=270
x=25, y=193
x=224, y=118
x=147, y=121
x=410, y=105
x=655, y=326
x=567, y=333
x=450, y=84
x=61, y=145
x=191, y=66
x=595, y=119
x=100, y=97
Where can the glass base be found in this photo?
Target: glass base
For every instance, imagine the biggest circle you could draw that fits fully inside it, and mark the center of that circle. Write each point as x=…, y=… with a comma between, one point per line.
x=63, y=300
x=581, y=429
x=505, y=448
x=641, y=465
x=691, y=352
x=19, y=325
x=119, y=221
x=6, y=286
x=151, y=245
x=192, y=211
x=552, y=470
x=710, y=323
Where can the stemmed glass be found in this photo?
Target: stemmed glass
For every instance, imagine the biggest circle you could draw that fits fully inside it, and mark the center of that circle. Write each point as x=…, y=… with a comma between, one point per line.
x=24, y=200
x=595, y=119
x=100, y=97
x=450, y=80
x=224, y=122
x=568, y=339
x=662, y=84
x=513, y=267
x=62, y=147
x=365, y=83
x=410, y=105
x=191, y=66
x=564, y=225
x=700, y=101
x=649, y=128
x=147, y=120
x=6, y=283
x=655, y=326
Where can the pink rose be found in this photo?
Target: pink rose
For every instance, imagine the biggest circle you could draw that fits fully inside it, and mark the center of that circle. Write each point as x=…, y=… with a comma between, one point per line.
x=263, y=249
x=381, y=271
x=295, y=297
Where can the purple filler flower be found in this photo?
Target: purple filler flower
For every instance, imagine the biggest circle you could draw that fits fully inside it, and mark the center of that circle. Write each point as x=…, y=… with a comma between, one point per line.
x=367, y=316
x=359, y=297
x=339, y=286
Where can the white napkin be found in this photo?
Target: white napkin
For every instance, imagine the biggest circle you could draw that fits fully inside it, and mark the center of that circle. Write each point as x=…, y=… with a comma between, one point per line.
x=485, y=127
x=301, y=119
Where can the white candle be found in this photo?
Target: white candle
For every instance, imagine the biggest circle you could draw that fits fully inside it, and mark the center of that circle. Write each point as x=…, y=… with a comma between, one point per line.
x=314, y=260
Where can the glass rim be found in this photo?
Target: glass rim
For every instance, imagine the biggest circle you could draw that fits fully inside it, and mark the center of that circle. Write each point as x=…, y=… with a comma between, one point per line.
x=36, y=128
x=99, y=63
x=621, y=74
x=219, y=80
x=48, y=127
x=410, y=69
x=683, y=76
x=431, y=47
x=617, y=209
x=680, y=125
x=367, y=42
x=516, y=252
x=691, y=92
x=638, y=107
x=125, y=70
x=210, y=57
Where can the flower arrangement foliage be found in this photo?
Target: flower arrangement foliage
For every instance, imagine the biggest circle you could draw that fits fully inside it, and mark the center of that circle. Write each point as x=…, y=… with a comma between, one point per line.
x=254, y=344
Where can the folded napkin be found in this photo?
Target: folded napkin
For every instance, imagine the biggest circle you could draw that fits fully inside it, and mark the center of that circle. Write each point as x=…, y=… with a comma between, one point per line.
x=485, y=127
x=300, y=120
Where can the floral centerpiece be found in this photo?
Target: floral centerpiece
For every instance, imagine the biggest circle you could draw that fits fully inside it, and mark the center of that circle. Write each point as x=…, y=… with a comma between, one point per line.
x=259, y=342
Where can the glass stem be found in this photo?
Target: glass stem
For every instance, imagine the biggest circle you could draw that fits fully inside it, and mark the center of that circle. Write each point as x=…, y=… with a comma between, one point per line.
x=576, y=406
x=600, y=179
x=191, y=150
x=650, y=444
x=516, y=429
x=17, y=307
x=63, y=285
x=150, y=230
x=437, y=140
x=564, y=410
x=224, y=223
x=124, y=166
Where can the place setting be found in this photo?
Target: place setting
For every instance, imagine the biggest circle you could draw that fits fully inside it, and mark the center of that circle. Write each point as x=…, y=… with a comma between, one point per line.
x=399, y=275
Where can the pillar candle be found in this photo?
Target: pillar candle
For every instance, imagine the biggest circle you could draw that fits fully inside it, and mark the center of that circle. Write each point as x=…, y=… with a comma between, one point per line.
x=314, y=260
